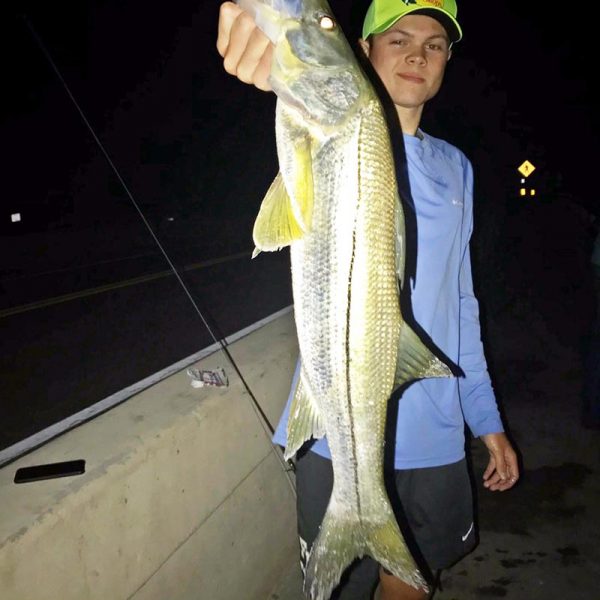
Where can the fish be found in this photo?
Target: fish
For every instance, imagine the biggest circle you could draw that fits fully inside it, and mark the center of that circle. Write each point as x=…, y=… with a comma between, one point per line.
x=335, y=203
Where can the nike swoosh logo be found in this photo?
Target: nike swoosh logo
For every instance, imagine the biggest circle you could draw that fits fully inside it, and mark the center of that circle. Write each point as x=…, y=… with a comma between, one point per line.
x=464, y=537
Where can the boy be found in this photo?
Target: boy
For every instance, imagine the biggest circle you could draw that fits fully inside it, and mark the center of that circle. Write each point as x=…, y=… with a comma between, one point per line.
x=409, y=42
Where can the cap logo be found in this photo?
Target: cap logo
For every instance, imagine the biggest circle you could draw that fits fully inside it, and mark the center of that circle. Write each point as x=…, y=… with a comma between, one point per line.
x=436, y=3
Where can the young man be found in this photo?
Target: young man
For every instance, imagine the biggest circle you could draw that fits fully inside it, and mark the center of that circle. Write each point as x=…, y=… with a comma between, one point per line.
x=409, y=44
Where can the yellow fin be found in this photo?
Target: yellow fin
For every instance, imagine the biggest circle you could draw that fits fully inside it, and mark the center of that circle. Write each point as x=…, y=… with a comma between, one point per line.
x=304, y=421
x=275, y=225
x=302, y=182
x=294, y=149
x=415, y=360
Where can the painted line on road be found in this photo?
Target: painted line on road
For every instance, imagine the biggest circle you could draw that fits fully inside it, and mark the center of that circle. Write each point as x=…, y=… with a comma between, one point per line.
x=8, y=312
x=77, y=268
x=38, y=439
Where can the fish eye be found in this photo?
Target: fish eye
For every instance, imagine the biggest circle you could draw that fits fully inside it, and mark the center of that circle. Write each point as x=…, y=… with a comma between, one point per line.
x=326, y=22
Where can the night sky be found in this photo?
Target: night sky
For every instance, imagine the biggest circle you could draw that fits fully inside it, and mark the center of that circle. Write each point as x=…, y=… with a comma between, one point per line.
x=144, y=74
x=195, y=147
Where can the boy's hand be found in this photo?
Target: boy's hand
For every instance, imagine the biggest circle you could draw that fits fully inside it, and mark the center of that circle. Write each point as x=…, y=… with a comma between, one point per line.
x=502, y=471
x=245, y=49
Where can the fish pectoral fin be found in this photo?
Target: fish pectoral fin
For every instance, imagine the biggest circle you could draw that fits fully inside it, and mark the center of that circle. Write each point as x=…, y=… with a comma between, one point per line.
x=301, y=182
x=275, y=226
x=415, y=360
x=304, y=421
x=295, y=151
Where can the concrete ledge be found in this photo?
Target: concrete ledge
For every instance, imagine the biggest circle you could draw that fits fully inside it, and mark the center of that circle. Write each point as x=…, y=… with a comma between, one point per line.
x=183, y=496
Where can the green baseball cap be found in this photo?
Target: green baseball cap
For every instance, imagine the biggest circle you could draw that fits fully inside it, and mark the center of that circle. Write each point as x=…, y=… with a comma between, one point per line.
x=382, y=14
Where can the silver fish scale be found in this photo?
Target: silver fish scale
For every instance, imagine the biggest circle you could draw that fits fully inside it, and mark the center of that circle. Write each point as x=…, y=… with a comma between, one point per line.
x=337, y=168
x=347, y=308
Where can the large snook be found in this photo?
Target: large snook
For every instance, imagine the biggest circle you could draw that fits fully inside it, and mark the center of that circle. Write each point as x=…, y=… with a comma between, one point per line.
x=335, y=201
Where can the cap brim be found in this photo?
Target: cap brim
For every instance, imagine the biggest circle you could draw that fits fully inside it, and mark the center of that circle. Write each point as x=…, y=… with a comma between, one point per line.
x=449, y=23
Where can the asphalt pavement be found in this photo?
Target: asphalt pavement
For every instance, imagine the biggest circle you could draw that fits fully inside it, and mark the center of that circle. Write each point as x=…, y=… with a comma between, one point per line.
x=541, y=539
x=87, y=333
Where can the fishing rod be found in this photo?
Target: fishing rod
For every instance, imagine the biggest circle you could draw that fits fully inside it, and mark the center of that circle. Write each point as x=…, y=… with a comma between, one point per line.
x=262, y=417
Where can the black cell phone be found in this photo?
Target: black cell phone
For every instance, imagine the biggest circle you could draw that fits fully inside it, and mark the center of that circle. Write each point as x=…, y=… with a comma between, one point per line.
x=50, y=471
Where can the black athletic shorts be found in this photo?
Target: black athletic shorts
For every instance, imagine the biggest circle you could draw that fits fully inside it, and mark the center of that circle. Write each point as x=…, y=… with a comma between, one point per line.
x=433, y=505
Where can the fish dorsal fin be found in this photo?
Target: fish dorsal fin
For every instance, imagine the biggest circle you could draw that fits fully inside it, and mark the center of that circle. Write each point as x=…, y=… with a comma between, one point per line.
x=415, y=360
x=304, y=421
x=275, y=225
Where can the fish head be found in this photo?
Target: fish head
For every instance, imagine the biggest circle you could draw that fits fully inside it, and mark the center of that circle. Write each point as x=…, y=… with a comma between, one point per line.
x=314, y=69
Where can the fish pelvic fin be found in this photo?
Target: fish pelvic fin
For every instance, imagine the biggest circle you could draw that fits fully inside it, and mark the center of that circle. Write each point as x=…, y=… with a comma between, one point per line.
x=275, y=226
x=415, y=360
x=343, y=538
x=304, y=421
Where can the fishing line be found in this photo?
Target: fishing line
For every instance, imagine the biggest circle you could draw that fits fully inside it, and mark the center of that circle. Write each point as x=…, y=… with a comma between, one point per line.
x=262, y=417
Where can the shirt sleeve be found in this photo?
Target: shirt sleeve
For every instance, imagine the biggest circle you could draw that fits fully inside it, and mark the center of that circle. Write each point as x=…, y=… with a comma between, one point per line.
x=477, y=396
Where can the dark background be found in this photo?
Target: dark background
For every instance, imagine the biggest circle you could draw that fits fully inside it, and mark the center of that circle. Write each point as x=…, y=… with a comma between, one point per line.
x=87, y=306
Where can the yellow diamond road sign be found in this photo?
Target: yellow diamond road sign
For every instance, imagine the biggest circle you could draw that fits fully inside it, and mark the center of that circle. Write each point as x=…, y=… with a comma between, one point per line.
x=526, y=169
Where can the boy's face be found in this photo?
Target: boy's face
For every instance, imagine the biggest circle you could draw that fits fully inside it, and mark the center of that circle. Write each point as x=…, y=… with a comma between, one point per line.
x=410, y=58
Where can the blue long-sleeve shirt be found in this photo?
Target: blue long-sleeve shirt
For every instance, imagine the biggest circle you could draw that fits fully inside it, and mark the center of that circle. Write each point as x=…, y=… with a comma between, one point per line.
x=432, y=412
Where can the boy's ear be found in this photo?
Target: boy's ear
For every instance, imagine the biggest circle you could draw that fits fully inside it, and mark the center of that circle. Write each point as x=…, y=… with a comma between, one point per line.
x=366, y=47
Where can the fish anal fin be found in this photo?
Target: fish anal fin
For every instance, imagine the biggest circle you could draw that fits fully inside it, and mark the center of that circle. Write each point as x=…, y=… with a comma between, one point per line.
x=275, y=226
x=415, y=360
x=304, y=421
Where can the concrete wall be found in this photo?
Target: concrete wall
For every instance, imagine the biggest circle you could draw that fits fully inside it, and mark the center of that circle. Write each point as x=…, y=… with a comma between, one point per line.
x=183, y=496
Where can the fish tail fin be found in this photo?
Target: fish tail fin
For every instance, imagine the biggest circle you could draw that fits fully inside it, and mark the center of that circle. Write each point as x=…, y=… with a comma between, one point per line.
x=336, y=546
x=343, y=538
x=415, y=360
x=386, y=545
